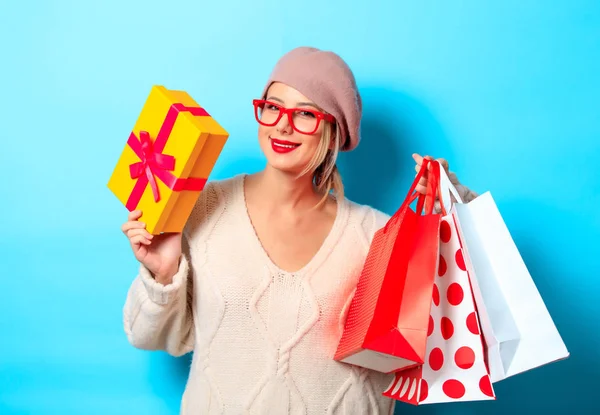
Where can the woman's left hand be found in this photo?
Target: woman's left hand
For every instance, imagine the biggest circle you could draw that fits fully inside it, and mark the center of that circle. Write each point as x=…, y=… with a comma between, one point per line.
x=422, y=186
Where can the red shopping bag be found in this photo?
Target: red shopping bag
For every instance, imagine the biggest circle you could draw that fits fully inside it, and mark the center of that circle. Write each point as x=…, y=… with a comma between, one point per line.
x=386, y=326
x=455, y=368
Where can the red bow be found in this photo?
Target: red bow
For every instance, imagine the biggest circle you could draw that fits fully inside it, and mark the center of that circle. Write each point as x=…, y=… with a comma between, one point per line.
x=156, y=164
x=151, y=162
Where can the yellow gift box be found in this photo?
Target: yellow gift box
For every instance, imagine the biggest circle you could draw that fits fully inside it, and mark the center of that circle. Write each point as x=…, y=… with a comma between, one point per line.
x=167, y=159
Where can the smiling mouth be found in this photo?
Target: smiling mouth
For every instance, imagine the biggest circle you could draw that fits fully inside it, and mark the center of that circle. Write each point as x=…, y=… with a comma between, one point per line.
x=284, y=143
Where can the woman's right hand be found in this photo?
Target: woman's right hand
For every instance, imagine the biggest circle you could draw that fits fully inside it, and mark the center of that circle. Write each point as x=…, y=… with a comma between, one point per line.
x=159, y=253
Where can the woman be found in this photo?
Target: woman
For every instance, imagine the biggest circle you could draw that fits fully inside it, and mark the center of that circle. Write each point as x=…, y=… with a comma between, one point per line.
x=258, y=284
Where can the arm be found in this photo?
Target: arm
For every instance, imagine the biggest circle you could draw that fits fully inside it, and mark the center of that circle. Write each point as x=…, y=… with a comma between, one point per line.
x=159, y=317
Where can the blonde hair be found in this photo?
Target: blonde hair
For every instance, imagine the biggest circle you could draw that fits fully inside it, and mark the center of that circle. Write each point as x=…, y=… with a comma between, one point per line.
x=326, y=175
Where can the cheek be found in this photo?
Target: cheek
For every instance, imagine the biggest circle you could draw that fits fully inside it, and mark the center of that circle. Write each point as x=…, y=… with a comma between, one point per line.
x=263, y=132
x=311, y=146
x=315, y=139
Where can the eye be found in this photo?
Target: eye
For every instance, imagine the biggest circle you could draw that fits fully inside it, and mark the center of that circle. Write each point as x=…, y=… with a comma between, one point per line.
x=307, y=114
x=271, y=107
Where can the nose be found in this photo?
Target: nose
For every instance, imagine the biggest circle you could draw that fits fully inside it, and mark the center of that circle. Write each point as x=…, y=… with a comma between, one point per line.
x=284, y=124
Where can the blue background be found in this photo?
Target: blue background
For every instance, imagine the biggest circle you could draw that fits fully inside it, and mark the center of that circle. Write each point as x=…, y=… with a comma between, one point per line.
x=507, y=91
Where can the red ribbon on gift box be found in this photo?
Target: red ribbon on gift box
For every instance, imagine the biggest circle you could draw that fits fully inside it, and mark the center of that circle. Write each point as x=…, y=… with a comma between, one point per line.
x=154, y=164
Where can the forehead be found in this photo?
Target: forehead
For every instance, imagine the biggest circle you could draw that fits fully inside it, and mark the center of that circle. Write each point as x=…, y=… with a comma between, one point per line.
x=287, y=94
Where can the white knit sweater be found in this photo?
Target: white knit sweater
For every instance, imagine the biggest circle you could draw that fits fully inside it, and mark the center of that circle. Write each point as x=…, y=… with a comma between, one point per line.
x=263, y=339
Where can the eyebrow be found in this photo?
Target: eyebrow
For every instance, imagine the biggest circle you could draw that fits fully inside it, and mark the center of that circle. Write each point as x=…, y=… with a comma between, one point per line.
x=298, y=104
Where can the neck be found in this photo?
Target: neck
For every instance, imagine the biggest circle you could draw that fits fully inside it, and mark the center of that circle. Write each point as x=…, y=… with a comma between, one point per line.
x=279, y=190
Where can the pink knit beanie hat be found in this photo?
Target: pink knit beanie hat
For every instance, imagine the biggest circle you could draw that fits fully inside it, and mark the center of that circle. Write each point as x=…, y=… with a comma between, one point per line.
x=326, y=79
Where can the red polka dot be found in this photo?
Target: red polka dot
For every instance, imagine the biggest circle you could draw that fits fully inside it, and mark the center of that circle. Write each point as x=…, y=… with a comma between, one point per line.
x=486, y=386
x=436, y=359
x=464, y=357
x=436, y=295
x=445, y=232
x=472, y=323
x=424, y=390
x=453, y=389
x=455, y=294
x=447, y=328
x=430, y=328
x=443, y=266
x=460, y=260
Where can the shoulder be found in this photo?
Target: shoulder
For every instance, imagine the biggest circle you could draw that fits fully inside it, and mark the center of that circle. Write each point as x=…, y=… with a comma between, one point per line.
x=213, y=201
x=366, y=219
x=223, y=188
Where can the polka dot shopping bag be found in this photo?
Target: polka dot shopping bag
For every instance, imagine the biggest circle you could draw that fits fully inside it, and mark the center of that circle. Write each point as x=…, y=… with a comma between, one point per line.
x=454, y=367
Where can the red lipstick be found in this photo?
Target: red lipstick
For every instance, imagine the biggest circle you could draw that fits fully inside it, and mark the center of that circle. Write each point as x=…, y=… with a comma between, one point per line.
x=283, y=146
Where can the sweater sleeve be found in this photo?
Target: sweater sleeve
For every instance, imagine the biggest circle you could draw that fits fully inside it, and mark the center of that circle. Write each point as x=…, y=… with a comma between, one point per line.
x=160, y=317
x=465, y=193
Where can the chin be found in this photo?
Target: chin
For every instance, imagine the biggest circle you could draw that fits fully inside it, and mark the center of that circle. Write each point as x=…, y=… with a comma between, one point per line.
x=285, y=166
x=285, y=163
x=290, y=162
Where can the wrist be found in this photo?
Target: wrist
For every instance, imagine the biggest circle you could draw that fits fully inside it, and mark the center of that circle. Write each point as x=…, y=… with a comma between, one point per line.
x=166, y=277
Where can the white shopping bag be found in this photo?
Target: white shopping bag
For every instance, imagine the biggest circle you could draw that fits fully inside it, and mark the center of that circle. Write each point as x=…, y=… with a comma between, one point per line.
x=518, y=330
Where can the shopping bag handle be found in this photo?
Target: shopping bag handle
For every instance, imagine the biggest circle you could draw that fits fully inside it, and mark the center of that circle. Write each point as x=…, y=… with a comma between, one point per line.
x=410, y=197
x=447, y=189
x=426, y=200
x=437, y=189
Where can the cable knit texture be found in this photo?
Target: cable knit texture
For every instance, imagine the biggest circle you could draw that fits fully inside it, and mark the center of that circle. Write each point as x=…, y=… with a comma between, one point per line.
x=263, y=338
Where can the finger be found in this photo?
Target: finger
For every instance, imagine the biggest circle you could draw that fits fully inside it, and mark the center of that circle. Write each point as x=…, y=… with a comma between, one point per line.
x=417, y=158
x=444, y=163
x=134, y=215
x=135, y=232
x=127, y=226
x=425, y=175
x=139, y=240
x=421, y=189
x=418, y=168
x=430, y=159
x=422, y=182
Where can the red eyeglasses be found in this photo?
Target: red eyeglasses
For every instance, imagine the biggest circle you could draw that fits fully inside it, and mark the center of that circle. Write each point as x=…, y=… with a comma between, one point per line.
x=305, y=121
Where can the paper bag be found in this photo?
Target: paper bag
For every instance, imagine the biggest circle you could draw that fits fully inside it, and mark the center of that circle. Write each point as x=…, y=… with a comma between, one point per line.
x=518, y=330
x=455, y=368
x=386, y=325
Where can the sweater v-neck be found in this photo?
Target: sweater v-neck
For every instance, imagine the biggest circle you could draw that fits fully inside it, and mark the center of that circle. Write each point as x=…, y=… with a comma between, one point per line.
x=317, y=259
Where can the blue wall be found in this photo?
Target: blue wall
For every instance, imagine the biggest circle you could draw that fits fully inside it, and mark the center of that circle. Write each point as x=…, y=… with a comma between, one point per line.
x=507, y=92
